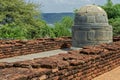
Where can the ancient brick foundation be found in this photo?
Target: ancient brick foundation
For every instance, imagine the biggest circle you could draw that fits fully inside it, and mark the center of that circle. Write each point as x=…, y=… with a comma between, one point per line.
x=18, y=47
x=116, y=38
x=84, y=64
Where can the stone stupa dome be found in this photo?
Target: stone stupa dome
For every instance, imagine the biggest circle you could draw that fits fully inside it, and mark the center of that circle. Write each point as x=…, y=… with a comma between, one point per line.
x=90, y=14
x=91, y=27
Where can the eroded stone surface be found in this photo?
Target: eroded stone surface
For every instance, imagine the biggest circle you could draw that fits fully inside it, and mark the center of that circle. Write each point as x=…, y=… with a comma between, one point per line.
x=91, y=27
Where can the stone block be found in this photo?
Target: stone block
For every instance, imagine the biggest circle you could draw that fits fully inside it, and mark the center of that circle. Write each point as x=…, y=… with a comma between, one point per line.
x=91, y=27
x=91, y=19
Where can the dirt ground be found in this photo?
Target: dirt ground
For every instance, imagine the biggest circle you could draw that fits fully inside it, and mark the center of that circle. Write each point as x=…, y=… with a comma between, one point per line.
x=111, y=75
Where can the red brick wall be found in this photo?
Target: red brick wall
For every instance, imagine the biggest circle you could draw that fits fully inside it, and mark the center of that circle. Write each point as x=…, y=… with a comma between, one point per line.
x=18, y=47
x=83, y=64
x=116, y=38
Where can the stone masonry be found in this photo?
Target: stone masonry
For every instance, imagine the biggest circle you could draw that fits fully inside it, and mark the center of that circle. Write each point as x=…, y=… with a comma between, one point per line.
x=91, y=27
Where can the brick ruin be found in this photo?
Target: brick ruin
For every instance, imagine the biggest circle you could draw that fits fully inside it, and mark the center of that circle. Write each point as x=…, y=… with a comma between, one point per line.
x=12, y=48
x=84, y=64
x=91, y=27
x=21, y=47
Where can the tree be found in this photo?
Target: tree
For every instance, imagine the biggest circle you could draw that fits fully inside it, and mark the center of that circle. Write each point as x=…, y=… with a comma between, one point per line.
x=108, y=7
x=11, y=32
x=113, y=11
x=63, y=28
x=67, y=22
x=18, y=13
x=116, y=10
x=109, y=3
x=116, y=26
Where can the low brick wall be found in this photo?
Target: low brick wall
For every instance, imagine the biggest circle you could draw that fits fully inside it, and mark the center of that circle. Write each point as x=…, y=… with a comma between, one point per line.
x=18, y=47
x=116, y=38
x=83, y=64
x=12, y=48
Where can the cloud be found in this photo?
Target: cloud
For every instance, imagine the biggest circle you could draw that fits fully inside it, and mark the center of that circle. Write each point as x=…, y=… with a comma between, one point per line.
x=68, y=1
x=62, y=5
x=67, y=5
x=60, y=1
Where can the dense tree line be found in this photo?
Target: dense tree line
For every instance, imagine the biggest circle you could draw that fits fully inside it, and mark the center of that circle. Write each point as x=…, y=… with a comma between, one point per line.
x=18, y=20
x=22, y=20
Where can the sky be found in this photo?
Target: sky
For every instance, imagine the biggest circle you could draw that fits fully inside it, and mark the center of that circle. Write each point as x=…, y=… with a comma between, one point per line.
x=58, y=6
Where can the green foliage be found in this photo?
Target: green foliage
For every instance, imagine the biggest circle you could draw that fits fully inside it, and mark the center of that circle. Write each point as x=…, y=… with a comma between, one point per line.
x=60, y=30
x=46, y=32
x=12, y=31
x=17, y=11
x=116, y=10
x=109, y=3
x=63, y=27
x=116, y=26
x=19, y=19
x=113, y=11
x=67, y=22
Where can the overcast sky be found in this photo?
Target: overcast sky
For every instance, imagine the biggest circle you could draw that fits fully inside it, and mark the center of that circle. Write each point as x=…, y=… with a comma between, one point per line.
x=56, y=6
